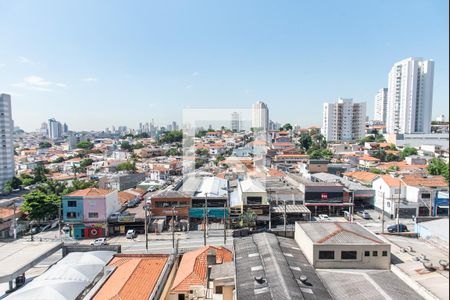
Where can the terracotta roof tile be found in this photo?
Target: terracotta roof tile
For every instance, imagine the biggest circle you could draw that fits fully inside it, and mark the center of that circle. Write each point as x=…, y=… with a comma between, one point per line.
x=134, y=278
x=427, y=181
x=192, y=268
x=363, y=176
x=90, y=192
x=391, y=181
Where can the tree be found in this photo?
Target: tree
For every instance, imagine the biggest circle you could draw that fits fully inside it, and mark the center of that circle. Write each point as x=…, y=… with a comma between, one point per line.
x=86, y=163
x=40, y=206
x=247, y=218
x=58, y=160
x=52, y=187
x=126, y=166
x=438, y=166
x=85, y=145
x=172, y=137
x=393, y=169
x=376, y=171
x=173, y=152
x=219, y=158
x=286, y=126
x=320, y=153
x=202, y=152
x=126, y=146
x=407, y=151
x=39, y=174
x=7, y=187
x=45, y=145
x=305, y=141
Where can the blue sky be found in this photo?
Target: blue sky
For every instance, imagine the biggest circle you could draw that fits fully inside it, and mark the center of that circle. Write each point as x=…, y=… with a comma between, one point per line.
x=94, y=64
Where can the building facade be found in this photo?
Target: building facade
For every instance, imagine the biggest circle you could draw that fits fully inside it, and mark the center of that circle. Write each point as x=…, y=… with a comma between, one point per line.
x=343, y=120
x=236, y=121
x=55, y=129
x=6, y=140
x=86, y=212
x=260, y=116
x=380, y=109
x=410, y=96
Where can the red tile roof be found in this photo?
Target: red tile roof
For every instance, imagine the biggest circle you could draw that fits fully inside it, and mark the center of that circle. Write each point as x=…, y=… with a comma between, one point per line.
x=192, y=268
x=362, y=176
x=90, y=192
x=391, y=181
x=424, y=181
x=135, y=276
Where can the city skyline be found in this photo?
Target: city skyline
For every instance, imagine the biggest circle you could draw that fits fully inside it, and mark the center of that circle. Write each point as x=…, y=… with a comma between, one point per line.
x=161, y=59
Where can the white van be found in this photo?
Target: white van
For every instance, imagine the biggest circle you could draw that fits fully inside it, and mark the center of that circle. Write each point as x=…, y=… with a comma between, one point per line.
x=131, y=234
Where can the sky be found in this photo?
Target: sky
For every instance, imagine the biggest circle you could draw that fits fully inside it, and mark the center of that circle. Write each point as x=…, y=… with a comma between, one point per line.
x=94, y=64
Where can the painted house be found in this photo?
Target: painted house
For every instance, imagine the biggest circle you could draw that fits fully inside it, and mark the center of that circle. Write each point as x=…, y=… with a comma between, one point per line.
x=85, y=212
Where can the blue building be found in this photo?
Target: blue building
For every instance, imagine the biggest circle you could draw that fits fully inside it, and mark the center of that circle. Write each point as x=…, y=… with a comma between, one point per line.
x=73, y=215
x=440, y=207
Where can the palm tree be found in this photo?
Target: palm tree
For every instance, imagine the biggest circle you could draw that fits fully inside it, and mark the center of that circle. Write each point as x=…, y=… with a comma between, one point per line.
x=247, y=218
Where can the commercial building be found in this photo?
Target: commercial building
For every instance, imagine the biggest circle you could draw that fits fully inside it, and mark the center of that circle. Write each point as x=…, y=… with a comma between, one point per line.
x=6, y=140
x=380, y=109
x=85, y=212
x=270, y=267
x=343, y=120
x=410, y=96
x=335, y=245
x=260, y=116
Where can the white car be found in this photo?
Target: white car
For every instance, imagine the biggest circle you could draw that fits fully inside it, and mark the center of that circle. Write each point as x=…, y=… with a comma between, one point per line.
x=131, y=234
x=324, y=218
x=99, y=242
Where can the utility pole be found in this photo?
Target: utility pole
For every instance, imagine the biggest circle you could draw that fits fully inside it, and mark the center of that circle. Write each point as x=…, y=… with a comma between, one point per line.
x=59, y=220
x=146, y=227
x=270, y=215
x=173, y=227
x=285, y=218
x=205, y=219
x=382, y=216
x=14, y=220
x=224, y=225
x=398, y=205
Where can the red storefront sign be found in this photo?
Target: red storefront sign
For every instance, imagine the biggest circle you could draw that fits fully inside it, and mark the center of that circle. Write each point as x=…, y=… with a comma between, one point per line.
x=324, y=196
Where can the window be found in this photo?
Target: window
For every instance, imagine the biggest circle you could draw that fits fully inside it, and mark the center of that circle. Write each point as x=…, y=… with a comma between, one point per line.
x=72, y=203
x=384, y=253
x=366, y=253
x=426, y=196
x=93, y=215
x=348, y=255
x=375, y=253
x=71, y=215
x=219, y=290
x=326, y=254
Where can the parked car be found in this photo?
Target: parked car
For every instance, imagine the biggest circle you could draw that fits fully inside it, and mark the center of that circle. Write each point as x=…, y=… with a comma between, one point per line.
x=364, y=214
x=397, y=228
x=131, y=234
x=99, y=242
x=132, y=203
x=324, y=218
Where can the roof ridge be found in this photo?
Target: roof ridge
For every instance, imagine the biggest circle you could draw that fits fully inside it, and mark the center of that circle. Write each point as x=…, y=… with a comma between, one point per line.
x=329, y=236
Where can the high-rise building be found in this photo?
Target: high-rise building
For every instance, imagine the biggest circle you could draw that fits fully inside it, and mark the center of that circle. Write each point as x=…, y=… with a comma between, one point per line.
x=65, y=129
x=343, y=120
x=260, y=116
x=55, y=129
x=236, y=121
x=410, y=96
x=7, y=170
x=380, y=109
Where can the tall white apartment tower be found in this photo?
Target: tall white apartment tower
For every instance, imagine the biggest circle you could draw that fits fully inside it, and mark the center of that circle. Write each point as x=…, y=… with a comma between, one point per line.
x=54, y=129
x=380, y=109
x=410, y=96
x=6, y=140
x=260, y=116
x=236, y=121
x=343, y=120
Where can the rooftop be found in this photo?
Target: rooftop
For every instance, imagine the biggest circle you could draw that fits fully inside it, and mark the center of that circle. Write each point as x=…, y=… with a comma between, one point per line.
x=192, y=268
x=339, y=233
x=269, y=267
x=90, y=192
x=133, y=277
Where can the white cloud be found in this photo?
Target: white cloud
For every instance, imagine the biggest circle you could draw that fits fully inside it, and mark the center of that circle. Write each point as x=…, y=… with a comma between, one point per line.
x=90, y=79
x=38, y=83
x=27, y=61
